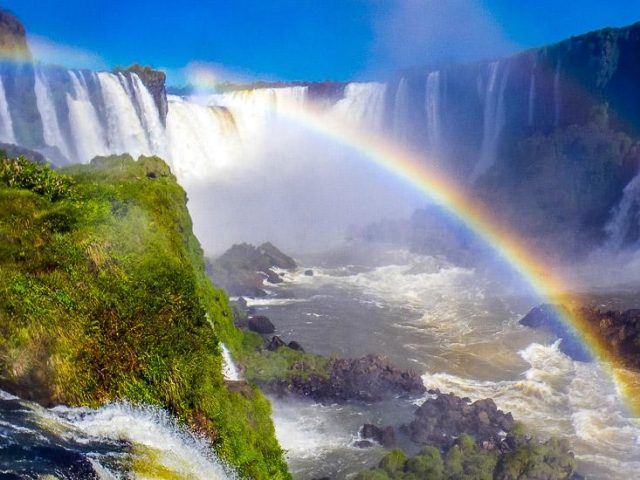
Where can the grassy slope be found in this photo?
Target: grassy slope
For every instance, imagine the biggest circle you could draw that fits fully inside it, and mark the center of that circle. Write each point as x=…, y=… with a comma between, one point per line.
x=103, y=296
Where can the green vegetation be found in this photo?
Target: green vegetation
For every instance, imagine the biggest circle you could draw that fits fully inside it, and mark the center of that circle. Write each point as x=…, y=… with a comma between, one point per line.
x=464, y=460
x=104, y=296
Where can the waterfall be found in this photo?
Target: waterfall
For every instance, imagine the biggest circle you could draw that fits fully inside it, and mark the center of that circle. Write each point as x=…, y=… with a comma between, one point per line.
x=401, y=111
x=125, y=133
x=229, y=369
x=150, y=117
x=6, y=124
x=202, y=140
x=532, y=97
x=362, y=104
x=85, y=125
x=624, y=226
x=557, y=95
x=433, y=109
x=51, y=126
x=493, y=118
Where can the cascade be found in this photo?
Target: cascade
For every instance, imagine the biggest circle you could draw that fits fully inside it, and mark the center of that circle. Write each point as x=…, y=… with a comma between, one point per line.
x=532, y=97
x=557, y=94
x=624, y=226
x=124, y=128
x=401, y=111
x=85, y=125
x=50, y=124
x=433, y=108
x=6, y=125
x=493, y=118
x=363, y=104
x=202, y=140
x=229, y=369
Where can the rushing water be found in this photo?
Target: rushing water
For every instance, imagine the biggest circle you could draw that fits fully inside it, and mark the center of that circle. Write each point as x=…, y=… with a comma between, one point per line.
x=459, y=328
x=116, y=441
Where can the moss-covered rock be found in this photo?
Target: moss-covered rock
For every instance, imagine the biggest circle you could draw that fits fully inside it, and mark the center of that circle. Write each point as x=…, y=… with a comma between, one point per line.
x=104, y=296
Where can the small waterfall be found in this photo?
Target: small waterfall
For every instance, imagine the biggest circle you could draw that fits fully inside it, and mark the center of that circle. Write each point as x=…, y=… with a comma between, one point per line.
x=402, y=105
x=433, y=109
x=125, y=133
x=150, y=117
x=51, y=126
x=85, y=125
x=363, y=104
x=557, y=99
x=624, y=227
x=532, y=97
x=493, y=117
x=229, y=369
x=7, y=134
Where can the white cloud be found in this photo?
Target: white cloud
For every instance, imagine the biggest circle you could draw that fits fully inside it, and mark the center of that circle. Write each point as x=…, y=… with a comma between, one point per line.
x=48, y=51
x=417, y=32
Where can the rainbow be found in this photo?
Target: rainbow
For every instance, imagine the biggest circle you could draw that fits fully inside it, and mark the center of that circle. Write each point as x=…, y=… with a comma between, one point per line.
x=411, y=168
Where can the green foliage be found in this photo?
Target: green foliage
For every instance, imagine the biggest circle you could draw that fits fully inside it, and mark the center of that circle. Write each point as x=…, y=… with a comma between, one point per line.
x=427, y=464
x=464, y=460
x=104, y=296
x=393, y=461
x=264, y=366
x=548, y=461
x=376, y=474
x=40, y=179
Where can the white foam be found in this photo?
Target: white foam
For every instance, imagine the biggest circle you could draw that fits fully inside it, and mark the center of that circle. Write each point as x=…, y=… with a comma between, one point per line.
x=229, y=369
x=173, y=447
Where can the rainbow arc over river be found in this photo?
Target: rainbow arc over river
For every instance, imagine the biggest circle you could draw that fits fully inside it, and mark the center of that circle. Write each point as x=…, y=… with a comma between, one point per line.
x=413, y=169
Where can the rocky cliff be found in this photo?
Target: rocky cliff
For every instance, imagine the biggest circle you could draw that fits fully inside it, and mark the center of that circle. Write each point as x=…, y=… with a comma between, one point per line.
x=104, y=297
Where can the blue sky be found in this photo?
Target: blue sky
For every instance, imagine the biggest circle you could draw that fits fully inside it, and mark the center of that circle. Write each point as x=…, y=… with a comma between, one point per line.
x=302, y=39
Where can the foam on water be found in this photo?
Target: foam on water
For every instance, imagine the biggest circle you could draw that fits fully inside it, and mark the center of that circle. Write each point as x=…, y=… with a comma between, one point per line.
x=118, y=440
x=148, y=430
x=558, y=396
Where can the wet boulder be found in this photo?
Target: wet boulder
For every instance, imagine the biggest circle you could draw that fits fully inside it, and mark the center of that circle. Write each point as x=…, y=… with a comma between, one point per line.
x=261, y=324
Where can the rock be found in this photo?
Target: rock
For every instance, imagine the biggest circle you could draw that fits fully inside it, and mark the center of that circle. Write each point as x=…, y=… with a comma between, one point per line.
x=308, y=273
x=239, y=386
x=619, y=331
x=295, y=346
x=13, y=151
x=13, y=38
x=441, y=419
x=384, y=436
x=546, y=317
x=366, y=379
x=261, y=324
x=243, y=269
x=363, y=444
x=275, y=343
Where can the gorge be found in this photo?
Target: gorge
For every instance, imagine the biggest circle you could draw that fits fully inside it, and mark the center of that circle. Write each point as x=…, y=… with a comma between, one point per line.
x=546, y=140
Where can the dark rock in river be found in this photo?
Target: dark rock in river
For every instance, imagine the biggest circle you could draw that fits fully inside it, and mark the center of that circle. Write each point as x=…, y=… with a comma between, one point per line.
x=295, y=346
x=366, y=379
x=261, y=324
x=384, y=436
x=243, y=269
x=546, y=317
x=363, y=444
x=275, y=343
x=441, y=419
x=308, y=273
x=618, y=331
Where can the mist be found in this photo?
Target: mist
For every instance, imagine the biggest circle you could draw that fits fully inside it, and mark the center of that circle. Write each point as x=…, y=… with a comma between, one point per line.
x=292, y=187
